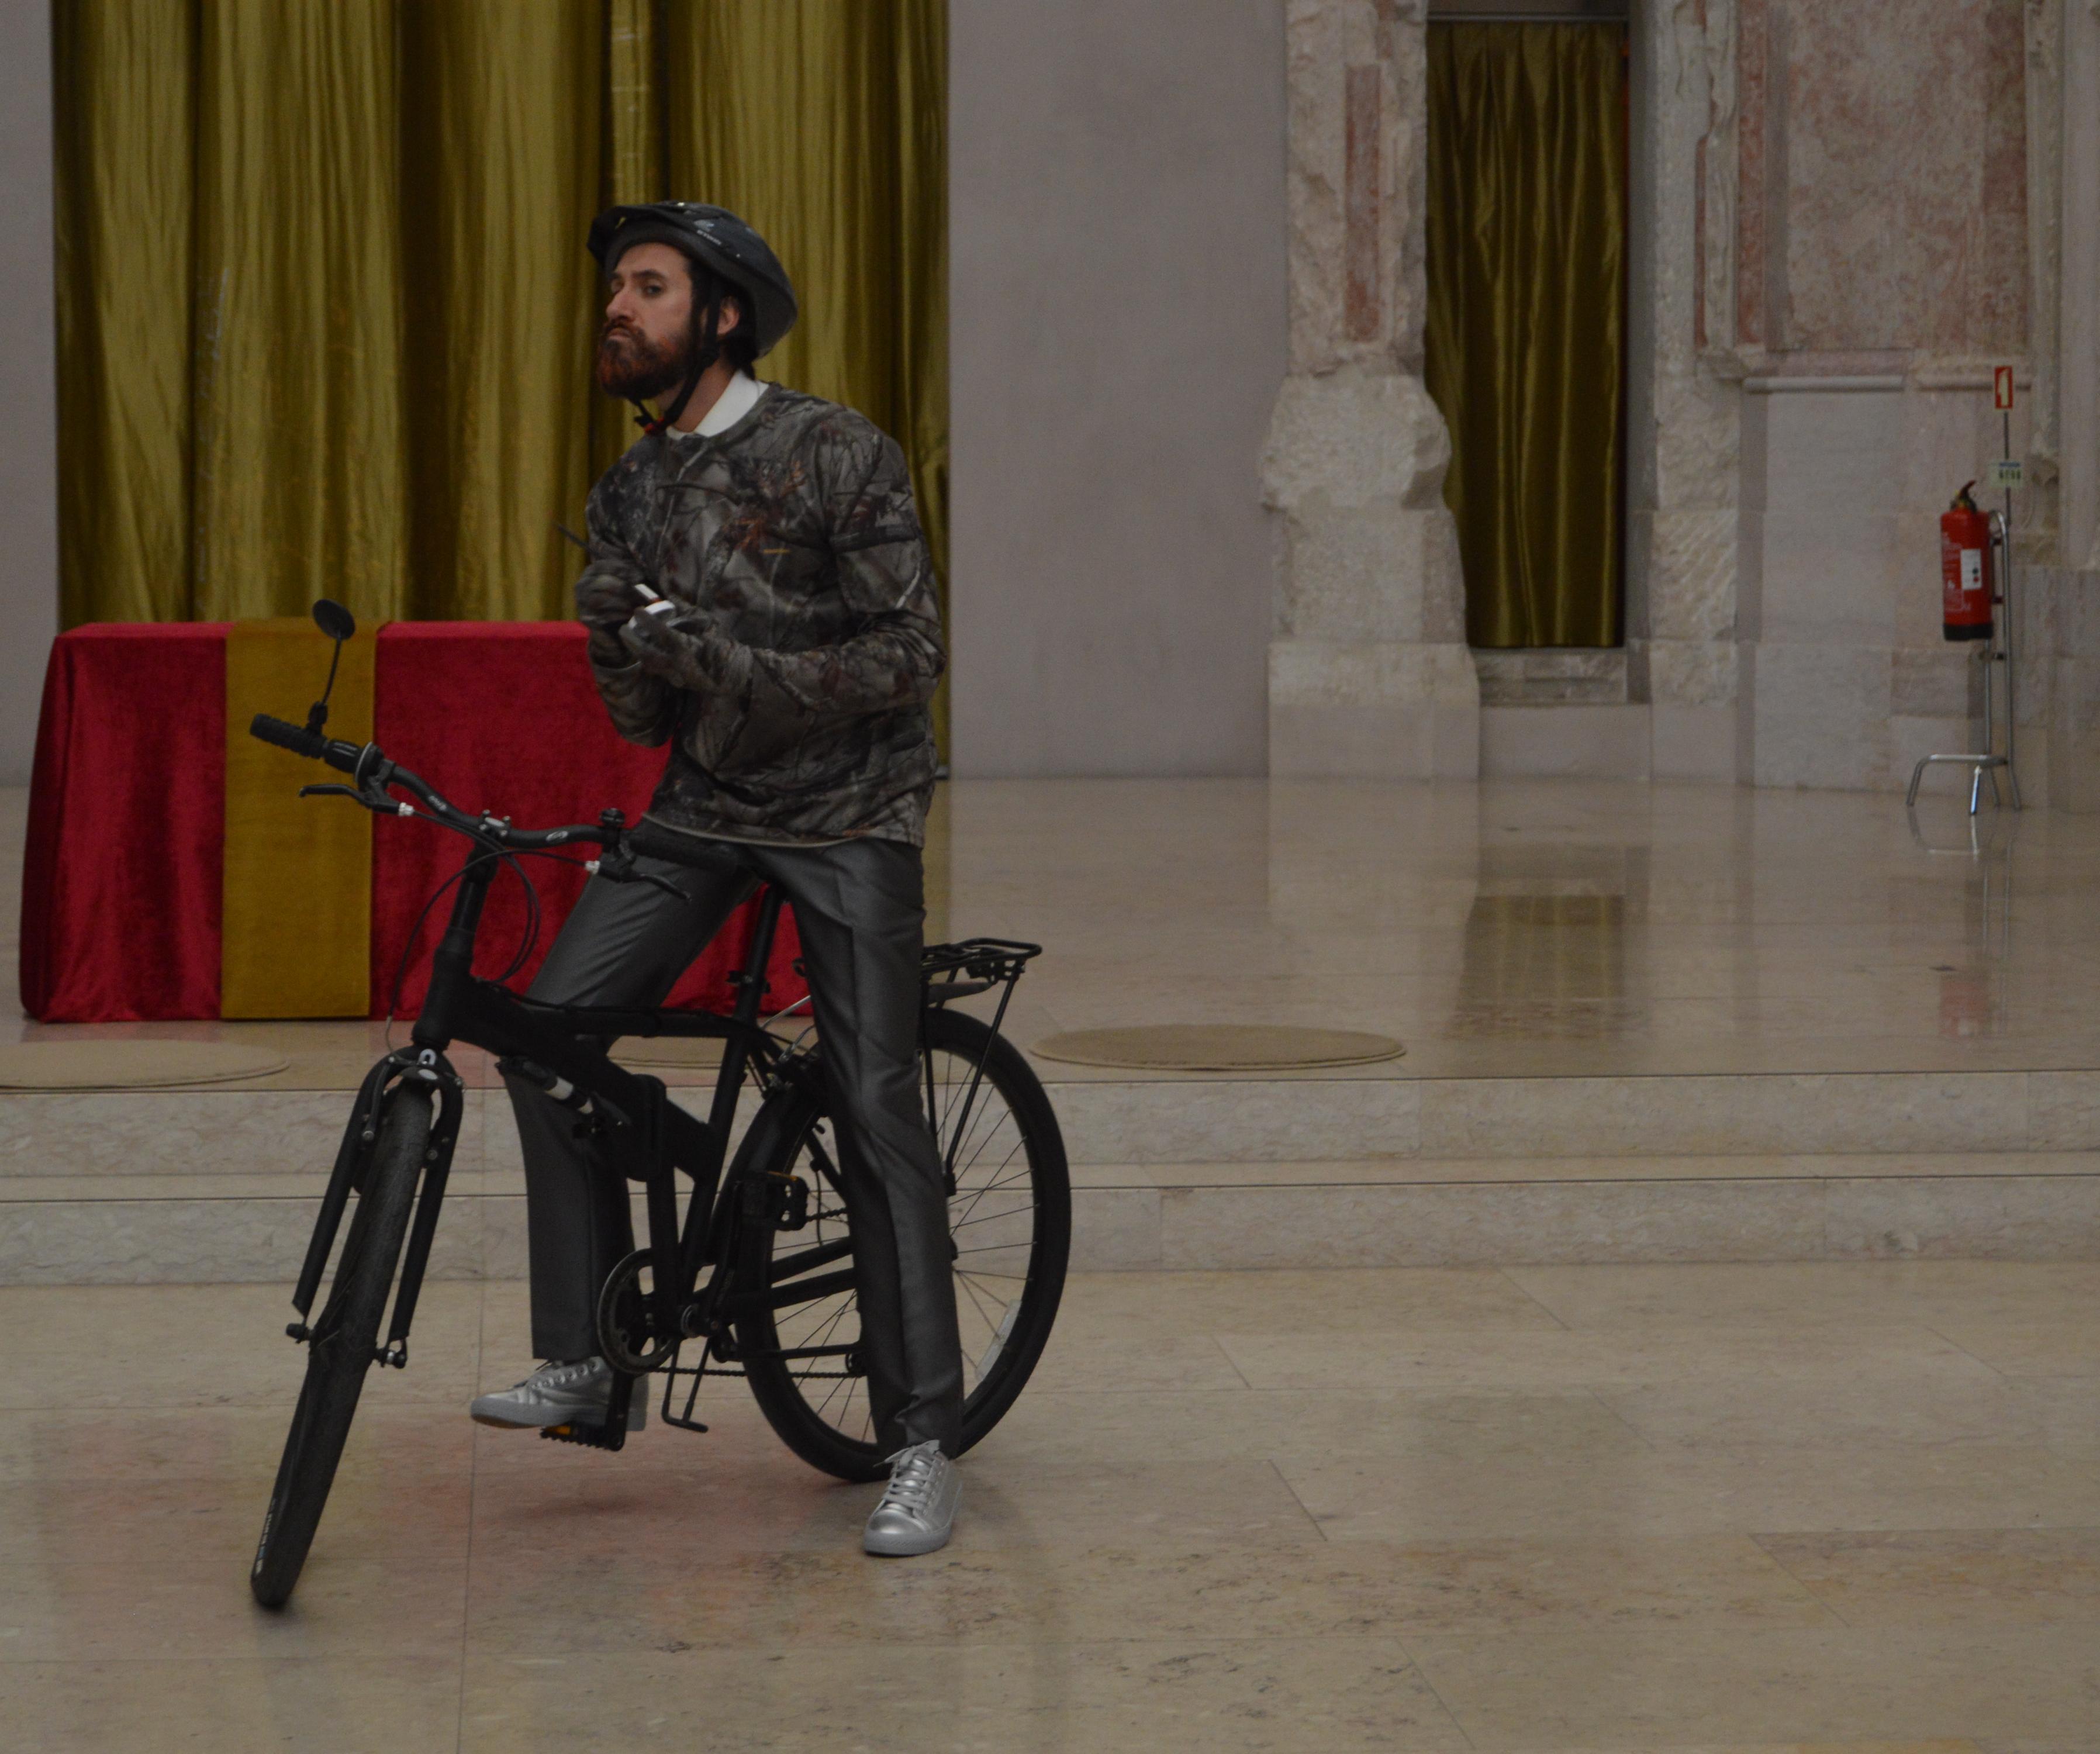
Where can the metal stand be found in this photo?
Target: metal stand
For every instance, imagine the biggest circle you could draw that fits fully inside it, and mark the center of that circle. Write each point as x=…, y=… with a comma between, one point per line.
x=1997, y=650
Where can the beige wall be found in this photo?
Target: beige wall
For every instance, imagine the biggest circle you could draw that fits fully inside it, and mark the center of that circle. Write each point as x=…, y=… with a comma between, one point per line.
x=29, y=472
x=1117, y=327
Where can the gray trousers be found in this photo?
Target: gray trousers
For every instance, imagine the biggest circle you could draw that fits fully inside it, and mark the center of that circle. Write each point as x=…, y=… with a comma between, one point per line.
x=860, y=910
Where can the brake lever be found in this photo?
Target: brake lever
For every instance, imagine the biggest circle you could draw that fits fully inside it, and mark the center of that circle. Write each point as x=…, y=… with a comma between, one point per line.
x=617, y=864
x=379, y=804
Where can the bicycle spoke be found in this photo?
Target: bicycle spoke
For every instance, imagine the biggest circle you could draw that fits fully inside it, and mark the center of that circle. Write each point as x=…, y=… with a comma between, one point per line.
x=978, y=1303
x=1007, y=1191
x=990, y=1218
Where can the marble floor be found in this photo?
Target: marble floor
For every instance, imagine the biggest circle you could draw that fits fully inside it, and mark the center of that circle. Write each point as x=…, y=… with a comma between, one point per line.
x=1840, y=1507
x=1508, y=928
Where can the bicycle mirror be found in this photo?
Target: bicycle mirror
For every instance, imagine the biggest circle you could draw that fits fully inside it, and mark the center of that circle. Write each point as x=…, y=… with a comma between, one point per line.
x=338, y=623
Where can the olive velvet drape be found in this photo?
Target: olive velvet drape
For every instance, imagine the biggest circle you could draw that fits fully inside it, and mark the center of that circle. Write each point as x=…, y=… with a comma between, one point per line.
x=325, y=316
x=1525, y=329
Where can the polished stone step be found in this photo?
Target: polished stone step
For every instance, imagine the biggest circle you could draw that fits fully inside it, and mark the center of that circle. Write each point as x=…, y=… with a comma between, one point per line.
x=172, y=1227
x=1193, y=1120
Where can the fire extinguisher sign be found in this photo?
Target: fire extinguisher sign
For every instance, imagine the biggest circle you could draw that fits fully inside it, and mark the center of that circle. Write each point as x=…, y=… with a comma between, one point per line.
x=2001, y=383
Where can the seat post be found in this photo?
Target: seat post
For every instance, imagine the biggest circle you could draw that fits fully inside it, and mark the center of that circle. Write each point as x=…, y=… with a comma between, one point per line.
x=750, y=997
x=751, y=986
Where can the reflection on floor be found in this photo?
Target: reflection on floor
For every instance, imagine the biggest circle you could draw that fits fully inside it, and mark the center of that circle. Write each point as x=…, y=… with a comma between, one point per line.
x=1540, y=928
x=1855, y=1506
x=1643, y=1024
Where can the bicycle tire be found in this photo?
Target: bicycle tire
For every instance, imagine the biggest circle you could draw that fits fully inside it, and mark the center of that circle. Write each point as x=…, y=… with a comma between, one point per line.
x=792, y=1393
x=346, y=1336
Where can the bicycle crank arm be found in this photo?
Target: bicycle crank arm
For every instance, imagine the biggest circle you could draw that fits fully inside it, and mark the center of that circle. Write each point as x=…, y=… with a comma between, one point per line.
x=612, y=1434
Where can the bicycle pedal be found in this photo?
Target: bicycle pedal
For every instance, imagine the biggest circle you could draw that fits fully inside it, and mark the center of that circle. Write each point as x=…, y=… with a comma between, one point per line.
x=606, y=1437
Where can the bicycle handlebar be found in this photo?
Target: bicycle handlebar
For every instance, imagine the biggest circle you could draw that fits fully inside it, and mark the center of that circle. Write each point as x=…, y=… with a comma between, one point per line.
x=301, y=741
x=373, y=774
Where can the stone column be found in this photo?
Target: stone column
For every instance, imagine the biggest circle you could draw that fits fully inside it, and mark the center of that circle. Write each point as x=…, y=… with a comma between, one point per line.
x=1683, y=419
x=1368, y=674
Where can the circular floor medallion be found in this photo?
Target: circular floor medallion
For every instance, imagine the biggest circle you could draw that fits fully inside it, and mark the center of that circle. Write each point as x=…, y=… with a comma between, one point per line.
x=1219, y=1047
x=107, y=1065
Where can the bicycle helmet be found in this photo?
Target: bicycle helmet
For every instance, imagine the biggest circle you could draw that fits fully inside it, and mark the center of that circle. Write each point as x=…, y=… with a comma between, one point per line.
x=719, y=241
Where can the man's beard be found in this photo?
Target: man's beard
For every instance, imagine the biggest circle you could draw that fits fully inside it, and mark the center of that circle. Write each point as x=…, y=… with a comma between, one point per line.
x=629, y=366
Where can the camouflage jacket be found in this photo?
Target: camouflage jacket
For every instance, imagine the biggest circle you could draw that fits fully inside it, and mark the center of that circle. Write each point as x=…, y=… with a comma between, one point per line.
x=791, y=681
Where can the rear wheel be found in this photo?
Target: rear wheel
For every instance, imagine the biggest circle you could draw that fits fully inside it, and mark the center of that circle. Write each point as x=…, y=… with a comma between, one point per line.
x=345, y=1337
x=1009, y=1216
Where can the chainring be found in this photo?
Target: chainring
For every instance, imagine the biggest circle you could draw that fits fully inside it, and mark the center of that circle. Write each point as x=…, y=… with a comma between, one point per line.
x=626, y=1322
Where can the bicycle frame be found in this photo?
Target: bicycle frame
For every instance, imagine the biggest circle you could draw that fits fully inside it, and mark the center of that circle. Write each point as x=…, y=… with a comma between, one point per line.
x=646, y=1137
x=648, y=1134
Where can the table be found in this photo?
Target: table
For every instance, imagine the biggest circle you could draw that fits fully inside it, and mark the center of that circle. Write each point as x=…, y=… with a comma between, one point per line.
x=122, y=916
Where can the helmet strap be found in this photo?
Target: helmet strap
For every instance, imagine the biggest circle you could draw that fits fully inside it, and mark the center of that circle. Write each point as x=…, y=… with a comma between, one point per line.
x=707, y=349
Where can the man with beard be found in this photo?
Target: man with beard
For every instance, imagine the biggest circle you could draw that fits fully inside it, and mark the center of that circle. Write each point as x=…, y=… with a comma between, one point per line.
x=759, y=597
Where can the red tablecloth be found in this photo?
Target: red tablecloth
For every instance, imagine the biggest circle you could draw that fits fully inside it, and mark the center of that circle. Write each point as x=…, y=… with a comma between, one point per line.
x=127, y=811
x=121, y=883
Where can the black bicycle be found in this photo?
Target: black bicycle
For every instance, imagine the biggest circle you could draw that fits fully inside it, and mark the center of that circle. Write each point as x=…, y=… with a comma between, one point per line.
x=755, y=1277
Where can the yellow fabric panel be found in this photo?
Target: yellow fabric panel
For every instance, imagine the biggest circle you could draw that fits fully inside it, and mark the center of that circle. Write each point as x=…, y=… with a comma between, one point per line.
x=501, y=121
x=297, y=897
x=122, y=121
x=1524, y=342
x=823, y=122
x=634, y=167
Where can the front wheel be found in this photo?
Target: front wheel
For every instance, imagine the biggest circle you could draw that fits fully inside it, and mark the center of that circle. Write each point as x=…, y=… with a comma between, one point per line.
x=1009, y=1220
x=340, y=1350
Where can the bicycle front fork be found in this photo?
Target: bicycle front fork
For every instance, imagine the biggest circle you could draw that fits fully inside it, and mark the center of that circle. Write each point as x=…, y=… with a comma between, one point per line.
x=414, y=1074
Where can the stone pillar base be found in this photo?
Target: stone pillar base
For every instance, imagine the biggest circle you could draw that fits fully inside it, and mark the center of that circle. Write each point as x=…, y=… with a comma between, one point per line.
x=1390, y=710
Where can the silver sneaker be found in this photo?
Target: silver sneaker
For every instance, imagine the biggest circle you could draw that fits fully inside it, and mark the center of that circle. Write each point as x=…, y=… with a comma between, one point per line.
x=917, y=1514
x=557, y=1394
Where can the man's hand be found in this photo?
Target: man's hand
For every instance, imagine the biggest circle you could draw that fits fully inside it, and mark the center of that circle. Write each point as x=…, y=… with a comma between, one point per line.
x=604, y=599
x=690, y=654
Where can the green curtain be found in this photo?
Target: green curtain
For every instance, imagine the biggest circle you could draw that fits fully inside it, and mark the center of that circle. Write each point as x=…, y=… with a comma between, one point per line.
x=1525, y=331
x=325, y=315
x=767, y=118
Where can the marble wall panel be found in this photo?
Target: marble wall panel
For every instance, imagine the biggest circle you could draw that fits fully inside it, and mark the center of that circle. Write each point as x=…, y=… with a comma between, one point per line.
x=1554, y=676
x=1883, y=192
x=1690, y=673
x=1941, y=681
x=1684, y=577
x=1693, y=742
x=1820, y=715
x=1698, y=456
x=1568, y=742
x=1830, y=492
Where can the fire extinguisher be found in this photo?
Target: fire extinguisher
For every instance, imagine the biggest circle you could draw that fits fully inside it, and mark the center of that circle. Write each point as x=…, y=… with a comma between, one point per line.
x=1965, y=569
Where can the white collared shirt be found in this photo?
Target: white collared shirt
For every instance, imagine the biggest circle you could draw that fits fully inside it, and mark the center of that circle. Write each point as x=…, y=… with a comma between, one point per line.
x=737, y=399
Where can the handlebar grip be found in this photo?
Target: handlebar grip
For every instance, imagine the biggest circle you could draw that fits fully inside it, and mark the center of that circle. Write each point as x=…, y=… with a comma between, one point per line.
x=296, y=738
x=339, y=755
